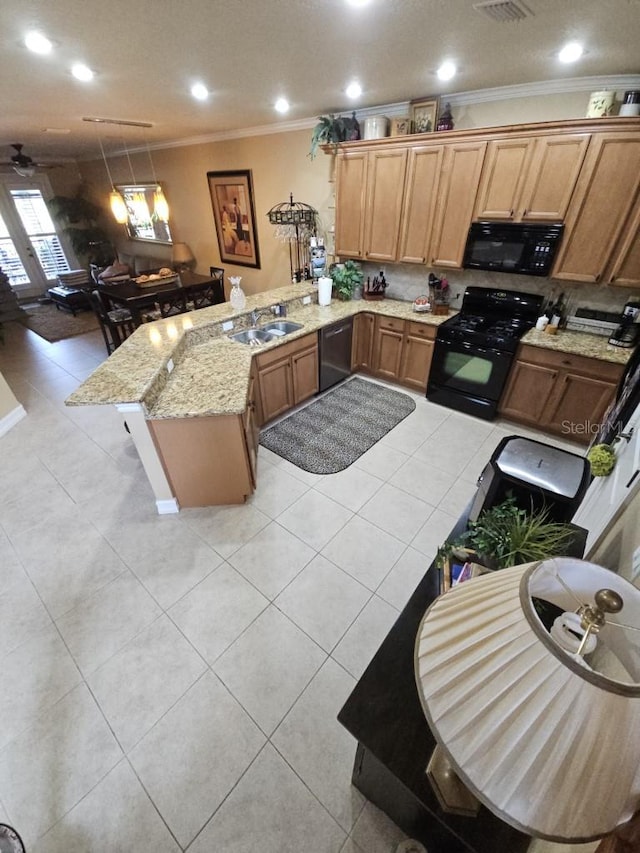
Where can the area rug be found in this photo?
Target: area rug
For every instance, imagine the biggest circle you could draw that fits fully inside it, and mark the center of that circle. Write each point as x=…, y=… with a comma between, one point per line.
x=330, y=434
x=55, y=325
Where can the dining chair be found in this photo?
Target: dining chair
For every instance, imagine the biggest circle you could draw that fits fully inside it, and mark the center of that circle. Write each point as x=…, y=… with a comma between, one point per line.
x=116, y=324
x=172, y=303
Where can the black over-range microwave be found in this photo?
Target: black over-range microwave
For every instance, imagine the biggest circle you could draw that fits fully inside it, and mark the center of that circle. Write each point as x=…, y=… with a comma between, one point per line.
x=518, y=247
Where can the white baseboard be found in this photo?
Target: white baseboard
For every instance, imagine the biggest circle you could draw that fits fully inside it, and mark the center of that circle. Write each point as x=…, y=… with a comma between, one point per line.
x=10, y=420
x=165, y=507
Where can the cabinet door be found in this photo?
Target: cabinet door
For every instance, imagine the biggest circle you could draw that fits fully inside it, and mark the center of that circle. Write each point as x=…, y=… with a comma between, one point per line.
x=362, y=348
x=577, y=406
x=417, y=353
x=385, y=185
x=276, y=388
x=529, y=389
x=251, y=427
x=461, y=168
x=351, y=184
x=552, y=176
x=600, y=207
x=388, y=352
x=421, y=186
x=625, y=263
x=503, y=176
x=304, y=369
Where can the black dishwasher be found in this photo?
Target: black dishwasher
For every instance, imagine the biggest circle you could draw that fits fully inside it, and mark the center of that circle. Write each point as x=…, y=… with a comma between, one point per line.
x=335, y=353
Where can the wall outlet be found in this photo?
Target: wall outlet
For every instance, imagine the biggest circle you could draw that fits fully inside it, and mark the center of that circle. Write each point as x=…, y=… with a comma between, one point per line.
x=170, y=365
x=306, y=300
x=635, y=565
x=227, y=326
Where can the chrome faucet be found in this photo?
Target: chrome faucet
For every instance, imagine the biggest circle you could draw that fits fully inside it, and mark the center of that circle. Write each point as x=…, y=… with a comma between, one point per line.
x=255, y=316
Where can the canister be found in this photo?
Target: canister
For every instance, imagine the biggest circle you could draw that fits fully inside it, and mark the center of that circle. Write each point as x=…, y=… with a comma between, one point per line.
x=631, y=104
x=375, y=127
x=600, y=104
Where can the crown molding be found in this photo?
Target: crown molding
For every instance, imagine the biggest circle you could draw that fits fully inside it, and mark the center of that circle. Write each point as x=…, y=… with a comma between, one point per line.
x=616, y=82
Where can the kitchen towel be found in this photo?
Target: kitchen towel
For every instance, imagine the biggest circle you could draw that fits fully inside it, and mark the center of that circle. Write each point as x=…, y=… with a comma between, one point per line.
x=331, y=433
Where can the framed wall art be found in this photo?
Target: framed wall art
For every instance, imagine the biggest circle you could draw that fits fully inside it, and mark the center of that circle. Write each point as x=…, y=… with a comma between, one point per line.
x=400, y=126
x=424, y=114
x=234, y=215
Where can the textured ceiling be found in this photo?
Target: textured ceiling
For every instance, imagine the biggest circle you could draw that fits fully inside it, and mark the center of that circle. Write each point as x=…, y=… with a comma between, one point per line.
x=146, y=54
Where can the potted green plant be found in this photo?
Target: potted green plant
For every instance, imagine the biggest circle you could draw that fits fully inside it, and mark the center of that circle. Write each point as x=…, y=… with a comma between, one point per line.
x=346, y=277
x=80, y=218
x=507, y=535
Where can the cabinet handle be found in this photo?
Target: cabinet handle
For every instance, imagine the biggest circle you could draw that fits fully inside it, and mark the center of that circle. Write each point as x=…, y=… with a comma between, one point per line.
x=511, y=214
x=524, y=212
x=626, y=435
x=597, y=278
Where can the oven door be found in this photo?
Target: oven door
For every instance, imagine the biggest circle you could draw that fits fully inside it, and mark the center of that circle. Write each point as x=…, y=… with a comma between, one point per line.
x=468, y=377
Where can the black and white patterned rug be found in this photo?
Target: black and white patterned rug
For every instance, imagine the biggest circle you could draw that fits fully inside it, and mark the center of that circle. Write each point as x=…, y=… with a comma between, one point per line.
x=330, y=434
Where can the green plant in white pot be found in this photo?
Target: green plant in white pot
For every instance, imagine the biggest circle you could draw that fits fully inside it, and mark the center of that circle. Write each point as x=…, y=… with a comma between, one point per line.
x=346, y=277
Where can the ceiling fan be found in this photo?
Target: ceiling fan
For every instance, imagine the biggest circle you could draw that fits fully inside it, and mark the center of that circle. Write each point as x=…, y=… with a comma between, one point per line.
x=24, y=165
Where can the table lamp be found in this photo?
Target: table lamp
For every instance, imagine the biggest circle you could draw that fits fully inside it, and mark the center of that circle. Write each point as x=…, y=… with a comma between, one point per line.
x=182, y=257
x=530, y=680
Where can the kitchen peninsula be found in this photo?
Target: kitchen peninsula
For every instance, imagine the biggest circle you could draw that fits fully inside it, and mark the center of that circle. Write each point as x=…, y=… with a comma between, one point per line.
x=191, y=396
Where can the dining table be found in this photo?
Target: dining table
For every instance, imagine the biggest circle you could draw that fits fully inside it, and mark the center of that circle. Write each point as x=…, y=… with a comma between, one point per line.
x=140, y=299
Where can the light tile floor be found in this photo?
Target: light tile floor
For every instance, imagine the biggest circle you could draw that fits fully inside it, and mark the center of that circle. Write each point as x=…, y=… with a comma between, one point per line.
x=172, y=683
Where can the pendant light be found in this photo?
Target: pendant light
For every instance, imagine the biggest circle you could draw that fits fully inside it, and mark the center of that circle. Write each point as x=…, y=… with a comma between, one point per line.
x=160, y=204
x=116, y=202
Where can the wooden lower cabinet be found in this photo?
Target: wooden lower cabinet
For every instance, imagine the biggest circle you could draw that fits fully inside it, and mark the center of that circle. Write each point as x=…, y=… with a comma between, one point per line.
x=558, y=392
x=362, y=343
x=208, y=461
x=286, y=376
x=417, y=352
x=403, y=350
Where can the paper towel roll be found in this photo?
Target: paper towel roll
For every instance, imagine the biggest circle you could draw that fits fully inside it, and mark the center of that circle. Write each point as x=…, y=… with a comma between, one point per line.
x=324, y=290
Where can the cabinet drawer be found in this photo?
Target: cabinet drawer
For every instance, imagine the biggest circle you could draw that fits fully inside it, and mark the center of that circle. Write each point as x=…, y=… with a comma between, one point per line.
x=421, y=330
x=392, y=323
x=605, y=370
x=283, y=351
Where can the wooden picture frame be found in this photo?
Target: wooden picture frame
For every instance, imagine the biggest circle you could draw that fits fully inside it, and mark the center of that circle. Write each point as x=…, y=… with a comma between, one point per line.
x=424, y=114
x=234, y=214
x=400, y=126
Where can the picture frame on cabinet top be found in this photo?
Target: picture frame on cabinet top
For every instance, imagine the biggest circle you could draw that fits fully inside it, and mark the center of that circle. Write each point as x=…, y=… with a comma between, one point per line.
x=400, y=126
x=424, y=114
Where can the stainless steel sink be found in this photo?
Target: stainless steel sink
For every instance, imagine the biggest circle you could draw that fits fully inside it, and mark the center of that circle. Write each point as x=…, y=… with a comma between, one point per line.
x=281, y=327
x=253, y=337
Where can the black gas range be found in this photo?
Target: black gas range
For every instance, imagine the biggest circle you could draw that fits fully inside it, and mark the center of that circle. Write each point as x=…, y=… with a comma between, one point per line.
x=475, y=348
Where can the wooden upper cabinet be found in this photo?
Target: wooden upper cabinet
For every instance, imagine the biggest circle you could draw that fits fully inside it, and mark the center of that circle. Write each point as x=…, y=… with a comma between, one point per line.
x=351, y=187
x=624, y=269
x=385, y=185
x=502, y=178
x=418, y=211
x=600, y=208
x=552, y=176
x=530, y=178
x=459, y=179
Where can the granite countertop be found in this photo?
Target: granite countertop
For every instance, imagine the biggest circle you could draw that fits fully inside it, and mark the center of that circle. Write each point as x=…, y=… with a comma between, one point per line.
x=578, y=343
x=186, y=366
x=210, y=373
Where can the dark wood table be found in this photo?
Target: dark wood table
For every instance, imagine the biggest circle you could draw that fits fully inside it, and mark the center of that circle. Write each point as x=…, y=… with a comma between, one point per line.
x=138, y=299
x=384, y=714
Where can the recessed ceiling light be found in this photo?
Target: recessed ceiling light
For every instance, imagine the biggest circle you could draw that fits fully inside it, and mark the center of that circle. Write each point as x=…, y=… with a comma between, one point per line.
x=38, y=43
x=446, y=71
x=570, y=52
x=200, y=91
x=358, y=3
x=282, y=105
x=354, y=90
x=82, y=72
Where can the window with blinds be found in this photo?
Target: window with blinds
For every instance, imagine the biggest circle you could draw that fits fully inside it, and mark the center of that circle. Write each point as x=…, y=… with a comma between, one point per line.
x=36, y=221
x=10, y=263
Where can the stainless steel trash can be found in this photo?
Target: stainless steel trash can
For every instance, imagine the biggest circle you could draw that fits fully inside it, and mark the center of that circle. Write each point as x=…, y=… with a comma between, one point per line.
x=536, y=474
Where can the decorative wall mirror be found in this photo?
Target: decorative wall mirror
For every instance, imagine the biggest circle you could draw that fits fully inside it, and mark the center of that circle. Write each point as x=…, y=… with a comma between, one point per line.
x=143, y=221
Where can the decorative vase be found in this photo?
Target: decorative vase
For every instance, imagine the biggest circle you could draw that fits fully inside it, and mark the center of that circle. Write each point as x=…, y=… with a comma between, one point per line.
x=236, y=297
